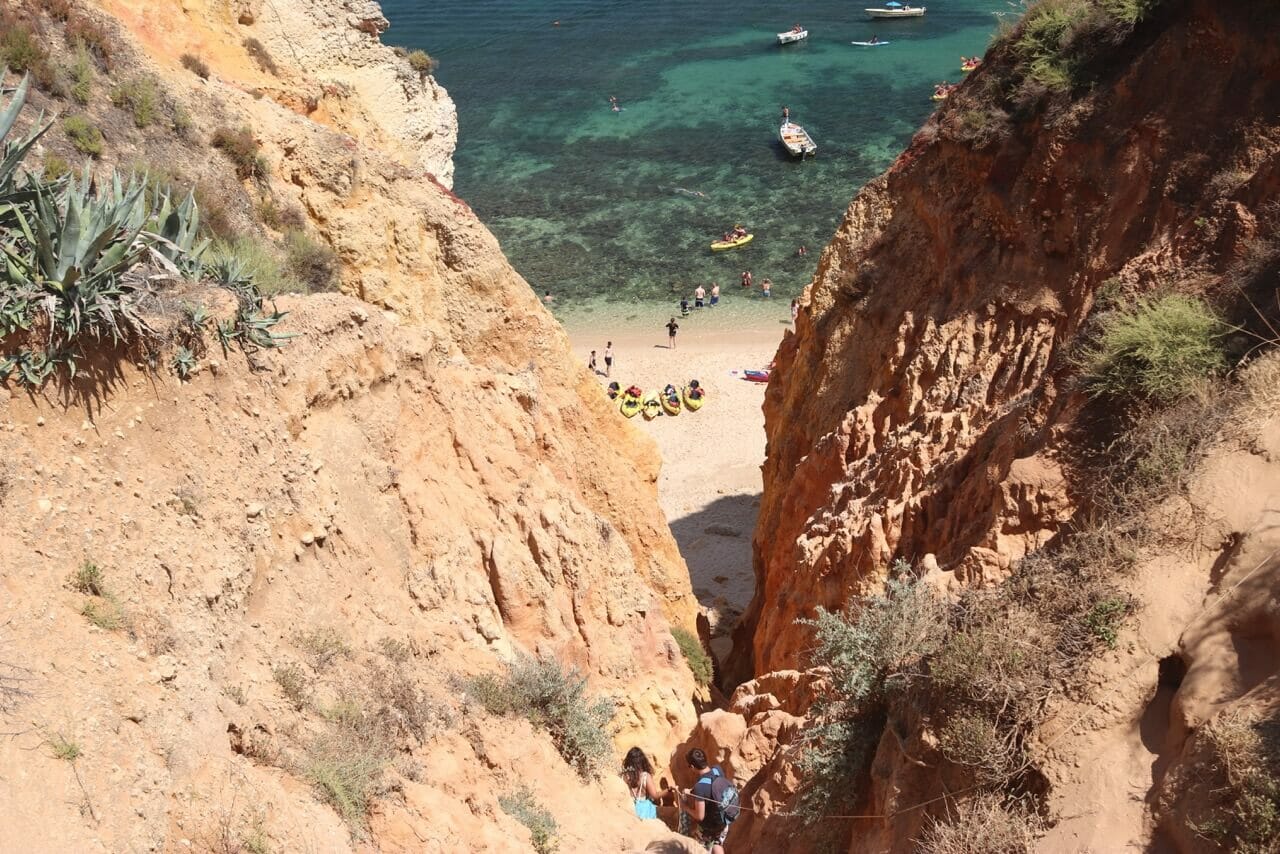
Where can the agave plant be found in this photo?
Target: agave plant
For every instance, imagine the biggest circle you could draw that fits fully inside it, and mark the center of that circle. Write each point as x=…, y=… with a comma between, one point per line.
x=12, y=153
x=175, y=231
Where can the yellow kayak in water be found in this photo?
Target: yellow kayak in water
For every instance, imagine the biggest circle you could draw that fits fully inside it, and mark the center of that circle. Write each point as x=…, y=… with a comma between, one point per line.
x=721, y=245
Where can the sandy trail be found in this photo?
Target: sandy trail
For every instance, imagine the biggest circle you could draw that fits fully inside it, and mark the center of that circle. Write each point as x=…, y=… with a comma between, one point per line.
x=710, y=484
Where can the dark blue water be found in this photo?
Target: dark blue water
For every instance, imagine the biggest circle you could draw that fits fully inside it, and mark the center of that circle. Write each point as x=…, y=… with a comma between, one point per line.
x=598, y=206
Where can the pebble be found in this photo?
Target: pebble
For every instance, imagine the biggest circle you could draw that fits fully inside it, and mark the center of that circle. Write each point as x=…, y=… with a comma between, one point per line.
x=40, y=421
x=44, y=505
x=253, y=511
x=308, y=538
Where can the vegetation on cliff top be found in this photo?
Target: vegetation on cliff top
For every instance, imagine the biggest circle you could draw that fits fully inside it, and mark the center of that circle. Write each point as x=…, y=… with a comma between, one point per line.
x=70, y=287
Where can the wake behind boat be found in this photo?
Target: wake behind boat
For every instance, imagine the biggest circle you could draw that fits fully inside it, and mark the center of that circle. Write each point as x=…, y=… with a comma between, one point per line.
x=894, y=9
x=796, y=140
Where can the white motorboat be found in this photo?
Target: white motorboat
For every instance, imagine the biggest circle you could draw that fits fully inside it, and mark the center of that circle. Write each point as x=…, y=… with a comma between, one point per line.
x=792, y=36
x=894, y=9
x=797, y=140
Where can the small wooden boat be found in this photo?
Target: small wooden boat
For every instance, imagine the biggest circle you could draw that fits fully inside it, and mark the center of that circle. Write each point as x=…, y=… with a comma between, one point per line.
x=894, y=9
x=797, y=140
x=792, y=36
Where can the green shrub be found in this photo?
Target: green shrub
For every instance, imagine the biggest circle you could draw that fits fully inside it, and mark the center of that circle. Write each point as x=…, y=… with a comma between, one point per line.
x=55, y=167
x=694, y=655
x=257, y=261
x=80, y=74
x=259, y=53
x=105, y=612
x=139, y=97
x=553, y=699
x=195, y=65
x=20, y=48
x=523, y=806
x=83, y=134
x=1159, y=349
x=182, y=123
x=242, y=150
x=345, y=768
x=63, y=748
x=421, y=62
x=311, y=263
x=88, y=579
x=873, y=652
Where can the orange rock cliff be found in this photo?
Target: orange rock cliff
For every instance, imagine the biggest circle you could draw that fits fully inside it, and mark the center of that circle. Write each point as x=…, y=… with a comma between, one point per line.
x=295, y=546
x=418, y=487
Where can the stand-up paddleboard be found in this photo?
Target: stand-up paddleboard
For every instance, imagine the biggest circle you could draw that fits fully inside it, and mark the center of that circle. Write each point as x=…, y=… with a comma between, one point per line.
x=869, y=44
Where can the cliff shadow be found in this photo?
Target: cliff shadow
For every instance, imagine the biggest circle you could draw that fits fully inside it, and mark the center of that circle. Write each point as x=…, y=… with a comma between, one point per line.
x=715, y=542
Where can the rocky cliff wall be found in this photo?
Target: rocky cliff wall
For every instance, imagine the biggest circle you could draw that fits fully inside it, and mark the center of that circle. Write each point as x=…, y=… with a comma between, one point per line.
x=427, y=479
x=920, y=407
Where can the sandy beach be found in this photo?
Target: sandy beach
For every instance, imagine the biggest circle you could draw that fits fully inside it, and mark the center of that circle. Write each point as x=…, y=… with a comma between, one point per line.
x=710, y=484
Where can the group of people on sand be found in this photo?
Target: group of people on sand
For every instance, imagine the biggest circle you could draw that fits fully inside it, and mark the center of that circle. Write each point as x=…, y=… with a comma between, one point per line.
x=707, y=809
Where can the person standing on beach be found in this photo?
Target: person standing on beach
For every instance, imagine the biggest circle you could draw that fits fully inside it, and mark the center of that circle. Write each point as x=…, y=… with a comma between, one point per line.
x=608, y=358
x=591, y=363
x=672, y=328
x=715, y=293
x=699, y=296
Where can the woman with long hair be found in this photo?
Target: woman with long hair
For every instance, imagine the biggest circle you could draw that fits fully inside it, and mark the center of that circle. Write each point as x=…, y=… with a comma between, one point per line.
x=645, y=793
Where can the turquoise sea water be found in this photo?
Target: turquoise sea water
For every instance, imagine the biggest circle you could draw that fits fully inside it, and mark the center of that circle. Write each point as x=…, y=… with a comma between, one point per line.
x=598, y=207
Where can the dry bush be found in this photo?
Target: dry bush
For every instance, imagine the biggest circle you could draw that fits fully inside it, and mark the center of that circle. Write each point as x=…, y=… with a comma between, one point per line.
x=982, y=826
x=58, y=10
x=323, y=646
x=1260, y=385
x=345, y=765
x=260, y=55
x=978, y=742
x=139, y=97
x=243, y=151
x=294, y=684
x=311, y=263
x=1226, y=182
x=400, y=707
x=1246, y=754
x=195, y=65
x=94, y=37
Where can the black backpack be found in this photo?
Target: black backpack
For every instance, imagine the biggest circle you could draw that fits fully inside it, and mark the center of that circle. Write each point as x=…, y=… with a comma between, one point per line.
x=725, y=803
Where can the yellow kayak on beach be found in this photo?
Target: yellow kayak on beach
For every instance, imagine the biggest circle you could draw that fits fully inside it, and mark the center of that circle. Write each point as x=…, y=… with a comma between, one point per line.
x=652, y=406
x=693, y=396
x=630, y=404
x=721, y=245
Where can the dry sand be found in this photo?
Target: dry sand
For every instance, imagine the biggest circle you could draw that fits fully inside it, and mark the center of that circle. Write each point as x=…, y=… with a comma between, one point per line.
x=710, y=484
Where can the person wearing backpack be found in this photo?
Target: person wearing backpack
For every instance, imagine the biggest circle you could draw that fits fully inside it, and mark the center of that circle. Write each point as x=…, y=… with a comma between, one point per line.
x=645, y=793
x=710, y=806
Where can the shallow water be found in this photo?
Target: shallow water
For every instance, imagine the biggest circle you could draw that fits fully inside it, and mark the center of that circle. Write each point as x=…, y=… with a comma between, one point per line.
x=598, y=206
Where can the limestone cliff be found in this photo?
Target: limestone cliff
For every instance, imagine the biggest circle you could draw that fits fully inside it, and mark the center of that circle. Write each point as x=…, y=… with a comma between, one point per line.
x=416, y=488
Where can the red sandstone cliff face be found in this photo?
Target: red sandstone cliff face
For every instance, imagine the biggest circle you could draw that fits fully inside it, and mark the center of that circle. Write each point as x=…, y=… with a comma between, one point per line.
x=924, y=411
x=918, y=409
